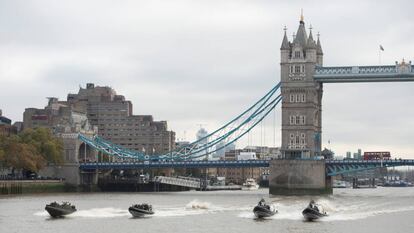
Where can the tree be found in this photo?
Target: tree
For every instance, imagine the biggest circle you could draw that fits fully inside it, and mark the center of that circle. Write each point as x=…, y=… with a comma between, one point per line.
x=48, y=146
x=31, y=149
x=1, y=155
x=24, y=156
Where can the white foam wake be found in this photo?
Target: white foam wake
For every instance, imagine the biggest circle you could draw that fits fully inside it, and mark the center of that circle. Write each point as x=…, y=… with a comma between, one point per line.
x=196, y=204
x=108, y=212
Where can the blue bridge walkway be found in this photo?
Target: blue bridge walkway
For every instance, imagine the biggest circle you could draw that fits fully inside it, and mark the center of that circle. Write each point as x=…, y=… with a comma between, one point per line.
x=333, y=167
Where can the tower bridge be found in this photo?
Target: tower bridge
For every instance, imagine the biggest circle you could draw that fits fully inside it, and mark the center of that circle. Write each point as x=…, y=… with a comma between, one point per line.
x=300, y=94
x=302, y=79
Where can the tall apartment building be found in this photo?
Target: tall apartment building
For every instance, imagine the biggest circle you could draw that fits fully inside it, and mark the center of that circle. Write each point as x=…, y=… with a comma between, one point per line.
x=112, y=114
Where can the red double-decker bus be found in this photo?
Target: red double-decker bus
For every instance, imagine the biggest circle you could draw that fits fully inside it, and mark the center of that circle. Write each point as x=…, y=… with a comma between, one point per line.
x=375, y=155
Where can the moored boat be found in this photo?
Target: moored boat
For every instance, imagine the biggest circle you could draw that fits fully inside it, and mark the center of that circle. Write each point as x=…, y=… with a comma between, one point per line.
x=250, y=184
x=340, y=184
x=57, y=210
x=141, y=210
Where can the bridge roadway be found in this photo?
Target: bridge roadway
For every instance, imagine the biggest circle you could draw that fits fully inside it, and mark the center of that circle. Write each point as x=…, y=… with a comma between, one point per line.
x=333, y=167
x=403, y=72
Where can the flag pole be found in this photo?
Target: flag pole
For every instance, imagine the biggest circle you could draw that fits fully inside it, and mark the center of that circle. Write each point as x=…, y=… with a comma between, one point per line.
x=379, y=53
x=379, y=56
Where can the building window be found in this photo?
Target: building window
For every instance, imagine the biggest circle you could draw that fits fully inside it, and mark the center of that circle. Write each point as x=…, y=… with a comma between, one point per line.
x=302, y=120
x=303, y=98
x=292, y=121
x=297, y=54
x=297, y=140
x=297, y=69
x=292, y=98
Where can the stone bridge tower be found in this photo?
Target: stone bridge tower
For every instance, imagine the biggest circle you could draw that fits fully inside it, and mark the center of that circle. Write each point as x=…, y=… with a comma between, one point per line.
x=302, y=95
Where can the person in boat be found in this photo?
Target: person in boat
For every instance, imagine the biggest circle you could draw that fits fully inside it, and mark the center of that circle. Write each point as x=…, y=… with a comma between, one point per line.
x=262, y=202
x=143, y=206
x=313, y=206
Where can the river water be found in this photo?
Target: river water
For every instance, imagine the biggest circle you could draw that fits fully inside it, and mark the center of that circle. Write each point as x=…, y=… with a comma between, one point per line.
x=350, y=210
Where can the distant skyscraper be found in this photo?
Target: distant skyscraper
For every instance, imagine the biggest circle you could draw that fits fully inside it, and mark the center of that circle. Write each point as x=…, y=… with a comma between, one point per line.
x=356, y=156
x=221, y=152
x=200, y=135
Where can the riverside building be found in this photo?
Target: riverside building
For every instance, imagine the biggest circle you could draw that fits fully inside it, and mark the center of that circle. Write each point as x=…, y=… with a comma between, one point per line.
x=113, y=116
x=6, y=129
x=109, y=114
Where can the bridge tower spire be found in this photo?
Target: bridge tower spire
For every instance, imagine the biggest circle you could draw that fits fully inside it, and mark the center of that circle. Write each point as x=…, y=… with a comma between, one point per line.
x=302, y=96
x=319, y=52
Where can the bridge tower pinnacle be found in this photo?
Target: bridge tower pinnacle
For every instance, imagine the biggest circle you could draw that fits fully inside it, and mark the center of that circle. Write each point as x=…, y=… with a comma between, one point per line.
x=302, y=96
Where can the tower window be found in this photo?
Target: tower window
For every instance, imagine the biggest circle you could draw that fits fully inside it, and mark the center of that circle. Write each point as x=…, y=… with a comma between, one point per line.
x=292, y=120
x=297, y=54
x=297, y=69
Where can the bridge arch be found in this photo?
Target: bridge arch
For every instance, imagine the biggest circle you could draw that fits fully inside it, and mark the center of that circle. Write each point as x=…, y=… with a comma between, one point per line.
x=86, y=153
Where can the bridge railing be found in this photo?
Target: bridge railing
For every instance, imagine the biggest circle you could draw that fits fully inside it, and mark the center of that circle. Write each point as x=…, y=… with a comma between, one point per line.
x=390, y=73
x=179, y=181
x=352, y=70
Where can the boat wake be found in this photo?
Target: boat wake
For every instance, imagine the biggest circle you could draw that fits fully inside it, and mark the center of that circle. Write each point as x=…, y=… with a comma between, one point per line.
x=196, y=204
x=336, y=211
x=108, y=212
x=195, y=207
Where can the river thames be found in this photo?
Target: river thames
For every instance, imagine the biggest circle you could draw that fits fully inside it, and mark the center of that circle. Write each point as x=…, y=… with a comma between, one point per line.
x=350, y=210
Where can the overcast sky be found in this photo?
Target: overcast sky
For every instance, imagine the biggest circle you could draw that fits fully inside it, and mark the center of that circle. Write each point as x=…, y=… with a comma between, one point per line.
x=204, y=62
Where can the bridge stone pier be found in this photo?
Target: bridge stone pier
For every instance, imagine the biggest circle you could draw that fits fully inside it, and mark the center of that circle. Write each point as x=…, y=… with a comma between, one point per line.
x=299, y=177
x=75, y=151
x=302, y=79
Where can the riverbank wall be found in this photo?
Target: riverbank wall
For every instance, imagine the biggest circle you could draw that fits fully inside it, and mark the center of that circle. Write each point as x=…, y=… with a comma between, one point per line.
x=12, y=187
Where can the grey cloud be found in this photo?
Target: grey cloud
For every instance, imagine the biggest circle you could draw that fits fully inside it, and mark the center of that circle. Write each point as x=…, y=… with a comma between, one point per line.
x=204, y=62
